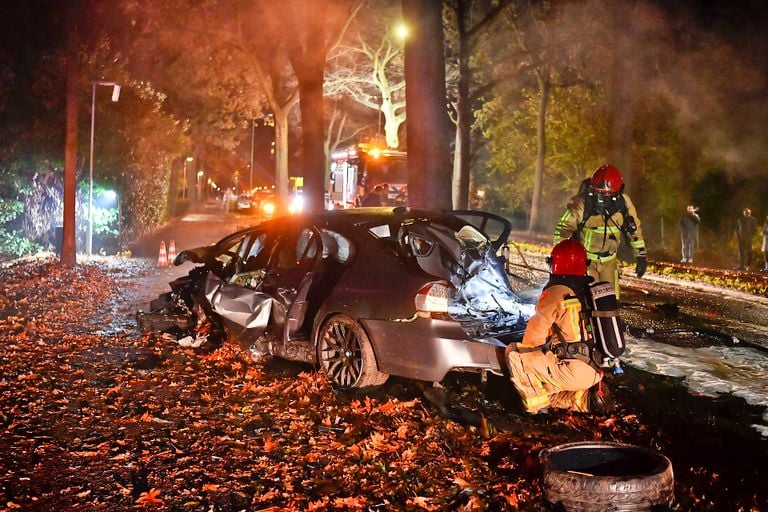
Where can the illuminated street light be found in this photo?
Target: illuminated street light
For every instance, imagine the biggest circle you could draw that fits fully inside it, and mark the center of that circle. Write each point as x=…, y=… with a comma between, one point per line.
x=402, y=31
x=115, y=97
x=185, y=190
x=112, y=195
x=199, y=186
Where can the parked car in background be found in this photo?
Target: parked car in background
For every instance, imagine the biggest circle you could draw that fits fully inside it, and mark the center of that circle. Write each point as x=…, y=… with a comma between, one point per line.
x=244, y=202
x=363, y=293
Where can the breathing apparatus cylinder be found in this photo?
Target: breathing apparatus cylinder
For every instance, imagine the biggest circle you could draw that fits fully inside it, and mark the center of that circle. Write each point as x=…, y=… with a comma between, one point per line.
x=605, y=324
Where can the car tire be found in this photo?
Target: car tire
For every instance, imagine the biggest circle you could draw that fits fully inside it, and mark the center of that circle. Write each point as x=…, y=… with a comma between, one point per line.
x=346, y=356
x=595, y=475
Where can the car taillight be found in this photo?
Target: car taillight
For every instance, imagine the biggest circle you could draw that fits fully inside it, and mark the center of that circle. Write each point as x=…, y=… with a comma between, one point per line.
x=433, y=298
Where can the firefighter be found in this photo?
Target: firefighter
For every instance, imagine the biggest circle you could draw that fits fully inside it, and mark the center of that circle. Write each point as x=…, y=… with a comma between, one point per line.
x=551, y=366
x=599, y=216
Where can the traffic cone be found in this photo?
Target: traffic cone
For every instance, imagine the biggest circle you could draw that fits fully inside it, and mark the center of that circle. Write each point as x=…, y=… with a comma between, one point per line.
x=162, y=259
x=171, y=252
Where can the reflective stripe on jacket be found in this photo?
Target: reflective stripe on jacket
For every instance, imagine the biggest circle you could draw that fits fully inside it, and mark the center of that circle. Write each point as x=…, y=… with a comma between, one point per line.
x=557, y=304
x=600, y=236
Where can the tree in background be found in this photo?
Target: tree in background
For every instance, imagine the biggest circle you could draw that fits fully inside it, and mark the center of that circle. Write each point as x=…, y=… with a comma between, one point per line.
x=309, y=31
x=368, y=66
x=687, y=113
x=470, y=19
x=429, y=183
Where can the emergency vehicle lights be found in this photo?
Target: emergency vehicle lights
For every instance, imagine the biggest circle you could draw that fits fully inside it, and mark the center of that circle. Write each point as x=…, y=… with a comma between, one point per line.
x=433, y=298
x=296, y=205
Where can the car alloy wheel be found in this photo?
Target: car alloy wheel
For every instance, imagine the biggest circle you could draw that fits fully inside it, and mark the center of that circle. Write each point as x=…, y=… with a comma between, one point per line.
x=346, y=356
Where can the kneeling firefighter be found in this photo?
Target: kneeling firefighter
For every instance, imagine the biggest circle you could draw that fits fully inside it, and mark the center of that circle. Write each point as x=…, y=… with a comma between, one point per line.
x=571, y=338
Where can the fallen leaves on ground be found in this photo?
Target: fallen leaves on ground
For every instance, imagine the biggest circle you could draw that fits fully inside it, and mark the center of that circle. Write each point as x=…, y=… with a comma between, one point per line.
x=98, y=418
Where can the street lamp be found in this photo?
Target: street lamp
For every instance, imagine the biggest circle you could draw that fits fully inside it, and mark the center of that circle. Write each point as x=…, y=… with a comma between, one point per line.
x=115, y=97
x=110, y=196
x=185, y=189
x=199, y=186
x=402, y=31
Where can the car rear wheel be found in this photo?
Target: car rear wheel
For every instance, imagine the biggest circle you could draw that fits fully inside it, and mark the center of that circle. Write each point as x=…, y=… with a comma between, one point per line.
x=346, y=356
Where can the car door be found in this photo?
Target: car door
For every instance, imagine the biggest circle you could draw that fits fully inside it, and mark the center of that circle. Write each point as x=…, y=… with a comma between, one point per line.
x=290, y=277
x=235, y=291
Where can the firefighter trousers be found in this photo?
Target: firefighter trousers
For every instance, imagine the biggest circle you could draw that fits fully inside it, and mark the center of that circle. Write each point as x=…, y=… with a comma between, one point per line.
x=605, y=270
x=544, y=381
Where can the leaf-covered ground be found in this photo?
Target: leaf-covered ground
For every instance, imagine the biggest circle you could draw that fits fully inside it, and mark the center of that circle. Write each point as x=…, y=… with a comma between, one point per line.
x=94, y=417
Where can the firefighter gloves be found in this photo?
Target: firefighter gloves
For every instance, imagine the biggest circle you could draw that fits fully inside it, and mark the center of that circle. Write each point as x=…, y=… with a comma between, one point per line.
x=640, y=264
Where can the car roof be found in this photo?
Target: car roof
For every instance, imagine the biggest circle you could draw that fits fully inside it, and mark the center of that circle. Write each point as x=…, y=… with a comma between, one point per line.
x=363, y=216
x=355, y=217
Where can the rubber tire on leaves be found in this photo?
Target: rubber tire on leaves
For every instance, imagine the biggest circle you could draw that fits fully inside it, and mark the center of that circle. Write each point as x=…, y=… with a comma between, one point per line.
x=346, y=355
x=593, y=475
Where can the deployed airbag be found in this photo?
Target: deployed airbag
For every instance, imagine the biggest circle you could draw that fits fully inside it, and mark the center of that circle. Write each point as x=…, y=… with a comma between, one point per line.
x=243, y=307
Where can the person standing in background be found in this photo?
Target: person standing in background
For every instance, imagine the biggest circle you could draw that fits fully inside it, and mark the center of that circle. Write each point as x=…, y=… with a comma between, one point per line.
x=765, y=244
x=745, y=230
x=689, y=233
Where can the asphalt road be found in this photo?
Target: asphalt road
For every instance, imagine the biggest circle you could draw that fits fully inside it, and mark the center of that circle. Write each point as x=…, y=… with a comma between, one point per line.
x=203, y=225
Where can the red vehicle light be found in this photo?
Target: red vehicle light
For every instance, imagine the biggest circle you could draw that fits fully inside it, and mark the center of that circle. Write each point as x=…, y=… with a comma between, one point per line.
x=433, y=298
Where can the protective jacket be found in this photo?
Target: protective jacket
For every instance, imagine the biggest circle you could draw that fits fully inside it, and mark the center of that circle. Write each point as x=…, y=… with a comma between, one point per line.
x=541, y=377
x=601, y=234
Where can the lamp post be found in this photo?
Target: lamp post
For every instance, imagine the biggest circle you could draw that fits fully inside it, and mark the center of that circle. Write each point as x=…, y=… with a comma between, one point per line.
x=199, y=186
x=250, y=169
x=115, y=97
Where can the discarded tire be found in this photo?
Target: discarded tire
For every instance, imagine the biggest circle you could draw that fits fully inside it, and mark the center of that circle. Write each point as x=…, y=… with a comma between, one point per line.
x=592, y=476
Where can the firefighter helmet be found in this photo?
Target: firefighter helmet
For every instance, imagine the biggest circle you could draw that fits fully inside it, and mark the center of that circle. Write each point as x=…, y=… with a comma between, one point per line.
x=569, y=258
x=606, y=180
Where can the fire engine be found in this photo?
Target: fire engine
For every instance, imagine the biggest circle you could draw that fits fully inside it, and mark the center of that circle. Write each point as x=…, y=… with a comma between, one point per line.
x=358, y=169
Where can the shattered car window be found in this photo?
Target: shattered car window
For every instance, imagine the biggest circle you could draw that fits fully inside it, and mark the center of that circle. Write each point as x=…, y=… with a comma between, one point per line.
x=306, y=247
x=336, y=246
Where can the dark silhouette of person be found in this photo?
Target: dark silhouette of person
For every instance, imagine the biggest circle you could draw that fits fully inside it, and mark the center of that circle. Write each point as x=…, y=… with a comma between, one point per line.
x=745, y=230
x=689, y=231
x=373, y=198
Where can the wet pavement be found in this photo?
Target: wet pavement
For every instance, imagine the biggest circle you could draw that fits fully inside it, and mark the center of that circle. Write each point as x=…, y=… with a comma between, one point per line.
x=204, y=225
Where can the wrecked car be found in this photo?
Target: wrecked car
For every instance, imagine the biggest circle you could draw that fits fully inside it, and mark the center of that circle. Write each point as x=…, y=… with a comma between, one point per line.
x=363, y=293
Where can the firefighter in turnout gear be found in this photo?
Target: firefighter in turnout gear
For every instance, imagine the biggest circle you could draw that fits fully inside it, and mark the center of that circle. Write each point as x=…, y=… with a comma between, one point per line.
x=551, y=366
x=600, y=215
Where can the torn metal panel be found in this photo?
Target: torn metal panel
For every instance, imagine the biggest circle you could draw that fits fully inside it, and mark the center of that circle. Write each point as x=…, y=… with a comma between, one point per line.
x=246, y=308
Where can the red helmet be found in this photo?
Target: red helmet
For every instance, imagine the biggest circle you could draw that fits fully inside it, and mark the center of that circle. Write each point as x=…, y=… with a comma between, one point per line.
x=569, y=258
x=606, y=180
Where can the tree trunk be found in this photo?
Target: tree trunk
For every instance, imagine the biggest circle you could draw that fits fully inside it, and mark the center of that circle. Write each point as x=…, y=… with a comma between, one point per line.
x=281, y=152
x=534, y=223
x=173, y=189
x=461, y=153
x=391, y=123
x=68, y=244
x=429, y=180
x=310, y=79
